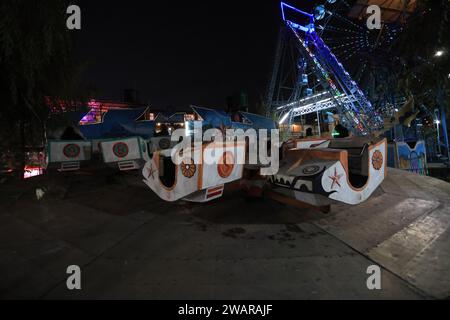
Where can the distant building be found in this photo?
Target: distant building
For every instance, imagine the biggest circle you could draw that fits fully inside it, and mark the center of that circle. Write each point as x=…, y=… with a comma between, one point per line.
x=98, y=108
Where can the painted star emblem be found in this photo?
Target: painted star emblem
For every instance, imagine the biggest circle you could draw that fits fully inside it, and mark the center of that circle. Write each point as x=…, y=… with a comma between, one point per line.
x=151, y=172
x=336, y=179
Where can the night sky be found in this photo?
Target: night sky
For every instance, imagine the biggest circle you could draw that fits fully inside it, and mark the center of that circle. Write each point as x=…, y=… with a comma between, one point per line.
x=179, y=53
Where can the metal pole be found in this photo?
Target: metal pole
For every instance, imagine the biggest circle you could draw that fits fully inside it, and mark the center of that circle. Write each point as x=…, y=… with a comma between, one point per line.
x=395, y=123
x=438, y=138
x=445, y=131
x=318, y=124
x=275, y=71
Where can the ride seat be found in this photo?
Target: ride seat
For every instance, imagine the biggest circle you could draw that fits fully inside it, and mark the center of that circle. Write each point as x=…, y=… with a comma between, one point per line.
x=167, y=172
x=358, y=160
x=358, y=155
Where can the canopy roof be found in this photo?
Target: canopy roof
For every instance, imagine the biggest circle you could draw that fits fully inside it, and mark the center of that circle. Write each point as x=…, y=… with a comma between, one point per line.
x=391, y=10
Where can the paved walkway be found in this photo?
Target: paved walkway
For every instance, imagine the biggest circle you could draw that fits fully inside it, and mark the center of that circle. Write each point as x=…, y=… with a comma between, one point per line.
x=131, y=245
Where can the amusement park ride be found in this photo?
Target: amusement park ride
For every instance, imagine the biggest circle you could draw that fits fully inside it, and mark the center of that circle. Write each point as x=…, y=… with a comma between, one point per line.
x=312, y=172
x=298, y=92
x=339, y=90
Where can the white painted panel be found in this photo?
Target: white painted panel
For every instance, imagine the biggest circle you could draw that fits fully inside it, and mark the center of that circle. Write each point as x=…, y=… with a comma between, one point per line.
x=69, y=151
x=335, y=179
x=211, y=172
x=122, y=149
x=192, y=178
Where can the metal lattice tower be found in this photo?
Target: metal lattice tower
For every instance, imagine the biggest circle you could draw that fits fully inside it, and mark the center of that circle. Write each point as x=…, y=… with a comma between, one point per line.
x=333, y=86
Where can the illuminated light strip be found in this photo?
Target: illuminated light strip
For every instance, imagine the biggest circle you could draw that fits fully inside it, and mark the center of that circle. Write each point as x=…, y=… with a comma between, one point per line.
x=283, y=5
x=342, y=98
x=302, y=100
x=284, y=117
x=312, y=104
x=312, y=108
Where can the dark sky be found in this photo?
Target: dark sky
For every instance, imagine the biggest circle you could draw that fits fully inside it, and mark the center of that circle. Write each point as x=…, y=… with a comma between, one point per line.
x=179, y=53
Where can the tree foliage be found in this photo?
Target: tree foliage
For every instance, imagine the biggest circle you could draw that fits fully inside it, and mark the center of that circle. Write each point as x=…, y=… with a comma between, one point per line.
x=35, y=63
x=420, y=71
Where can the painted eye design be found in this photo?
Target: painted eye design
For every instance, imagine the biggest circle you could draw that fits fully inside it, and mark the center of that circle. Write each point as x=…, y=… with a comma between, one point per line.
x=311, y=170
x=120, y=150
x=377, y=160
x=188, y=168
x=71, y=151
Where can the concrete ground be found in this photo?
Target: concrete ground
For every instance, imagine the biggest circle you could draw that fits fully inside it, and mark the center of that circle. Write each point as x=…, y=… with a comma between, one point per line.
x=131, y=245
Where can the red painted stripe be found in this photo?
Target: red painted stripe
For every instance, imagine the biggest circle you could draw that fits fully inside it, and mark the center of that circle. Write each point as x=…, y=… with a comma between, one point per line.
x=215, y=189
x=212, y=195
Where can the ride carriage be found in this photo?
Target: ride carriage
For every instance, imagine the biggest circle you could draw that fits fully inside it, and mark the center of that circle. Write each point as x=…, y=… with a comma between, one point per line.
x=174, y=176
x=125, y=153
x=203, y=180
x=316, y=172
x=119, y=136
x=67, y=155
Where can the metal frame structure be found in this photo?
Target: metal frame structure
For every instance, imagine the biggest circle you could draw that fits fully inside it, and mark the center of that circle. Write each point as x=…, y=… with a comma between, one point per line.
x=340, y=90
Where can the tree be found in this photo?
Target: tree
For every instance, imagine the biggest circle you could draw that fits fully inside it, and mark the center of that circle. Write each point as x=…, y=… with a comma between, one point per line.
x=421, y=71
x=35, y=63
x=424, y=61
